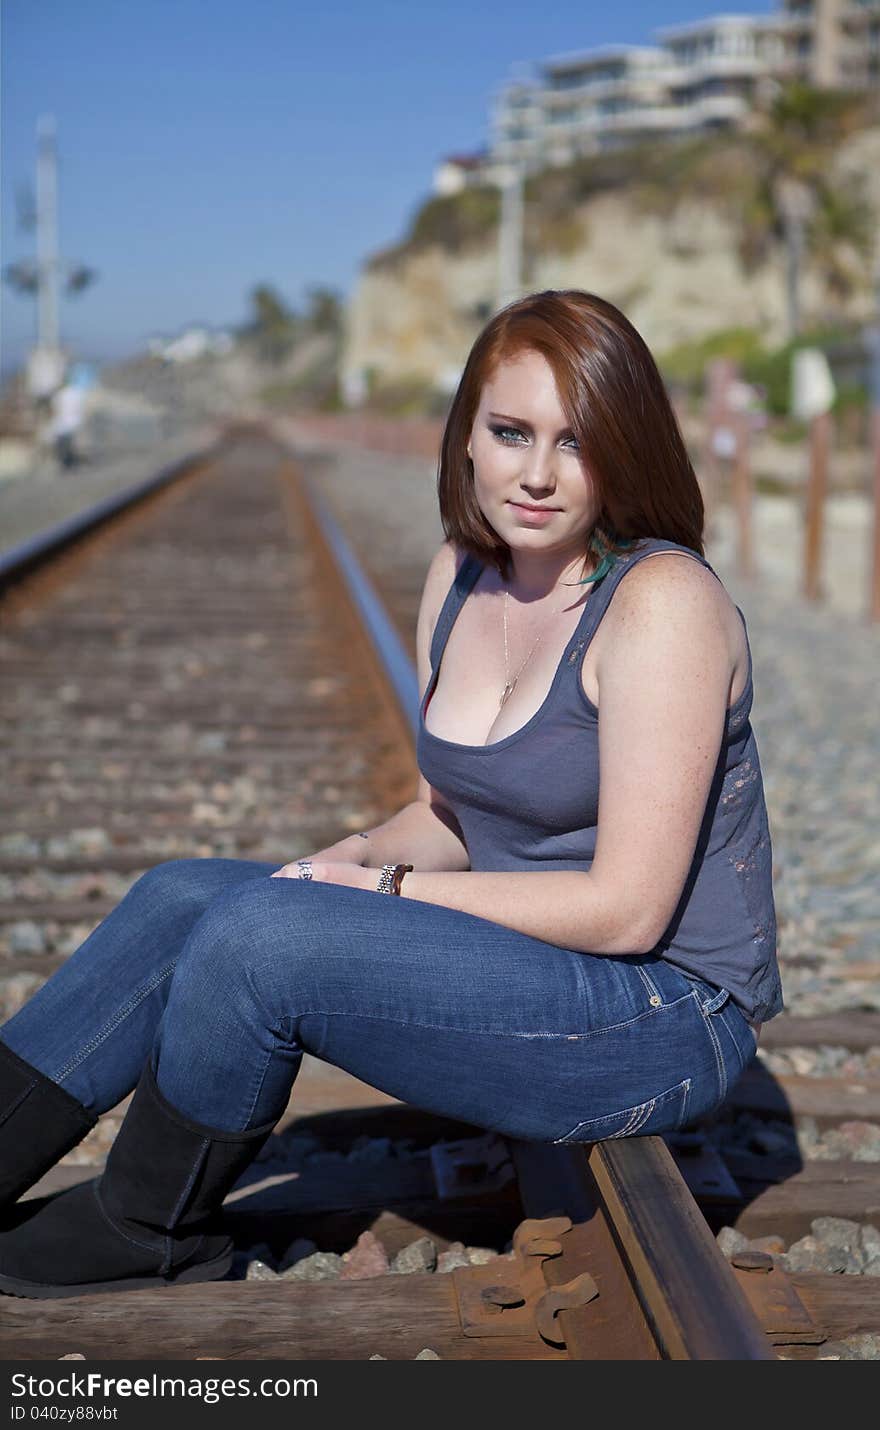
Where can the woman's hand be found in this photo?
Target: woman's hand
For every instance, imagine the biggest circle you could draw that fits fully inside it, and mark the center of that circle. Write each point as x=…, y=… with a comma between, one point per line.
x=327, y=871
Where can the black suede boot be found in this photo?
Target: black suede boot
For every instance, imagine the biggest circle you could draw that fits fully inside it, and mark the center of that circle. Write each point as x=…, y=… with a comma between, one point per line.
x=39, y=1122
x=150, y=1220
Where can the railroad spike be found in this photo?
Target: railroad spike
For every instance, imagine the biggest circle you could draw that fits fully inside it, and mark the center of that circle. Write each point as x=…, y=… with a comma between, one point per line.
x=577, y=1292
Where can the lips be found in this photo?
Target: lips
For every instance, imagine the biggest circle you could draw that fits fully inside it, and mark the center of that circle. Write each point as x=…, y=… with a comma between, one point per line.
x=523, y=506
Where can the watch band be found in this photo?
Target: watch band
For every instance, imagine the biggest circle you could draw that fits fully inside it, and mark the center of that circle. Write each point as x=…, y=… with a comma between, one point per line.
x=391, y=878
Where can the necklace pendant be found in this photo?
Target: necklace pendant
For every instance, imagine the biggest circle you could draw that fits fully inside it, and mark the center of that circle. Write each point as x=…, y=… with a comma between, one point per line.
x=508, y=689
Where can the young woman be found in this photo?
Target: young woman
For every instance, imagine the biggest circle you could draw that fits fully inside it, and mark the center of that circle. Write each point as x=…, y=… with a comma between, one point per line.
x=582, y=942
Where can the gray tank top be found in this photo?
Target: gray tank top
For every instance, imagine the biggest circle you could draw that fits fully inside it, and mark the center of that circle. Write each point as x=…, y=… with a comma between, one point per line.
x=519, y=808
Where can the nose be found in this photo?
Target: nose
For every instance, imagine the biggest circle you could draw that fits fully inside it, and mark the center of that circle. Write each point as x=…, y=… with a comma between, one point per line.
x=538, y=477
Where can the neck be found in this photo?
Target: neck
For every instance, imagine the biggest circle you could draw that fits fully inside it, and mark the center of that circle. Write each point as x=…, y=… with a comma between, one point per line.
x=535, y=575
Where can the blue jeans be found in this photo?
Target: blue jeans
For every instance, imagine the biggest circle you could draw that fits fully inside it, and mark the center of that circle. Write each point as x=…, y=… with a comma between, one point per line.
x=225, y=976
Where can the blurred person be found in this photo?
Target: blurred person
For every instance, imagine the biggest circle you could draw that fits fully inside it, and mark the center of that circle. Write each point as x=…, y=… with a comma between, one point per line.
x=67, y=414
x=580, y=939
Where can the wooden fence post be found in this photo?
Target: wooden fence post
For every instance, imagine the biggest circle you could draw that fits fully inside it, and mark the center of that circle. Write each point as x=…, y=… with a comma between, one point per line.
x=817, y=489
x=742, y=495
x=719, y=374
x=874, y=603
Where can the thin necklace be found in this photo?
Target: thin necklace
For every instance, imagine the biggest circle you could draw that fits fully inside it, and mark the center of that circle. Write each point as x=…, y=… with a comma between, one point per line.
x=510, y=684
x=604, y=566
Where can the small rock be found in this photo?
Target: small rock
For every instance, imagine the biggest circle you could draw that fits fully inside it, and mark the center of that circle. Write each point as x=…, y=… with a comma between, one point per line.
x=859, y=1347
x=26, y=937
x=427, y=1354
x=869, y=1240
x=773, y=1245
x=730, y=1241
x=857, y=1140
x=15, y=992
x=836, y=1231
x=80, y=841
x=480, y=1255
x=73, y=1355
x=455, y=1255
x=366, y=1258
x=420, y=1255
x=378, y=1357
x=853, y=1262
x=811, y=1254
x=323, y=1266
x=259, y=1271
x=867, y=1344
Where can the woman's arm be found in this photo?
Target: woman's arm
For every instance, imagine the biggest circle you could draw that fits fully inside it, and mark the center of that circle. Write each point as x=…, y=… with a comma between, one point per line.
x=417, y=834
x=664, y=673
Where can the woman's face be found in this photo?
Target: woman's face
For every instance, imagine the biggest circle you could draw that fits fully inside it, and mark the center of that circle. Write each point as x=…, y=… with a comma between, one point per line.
x=525, y=455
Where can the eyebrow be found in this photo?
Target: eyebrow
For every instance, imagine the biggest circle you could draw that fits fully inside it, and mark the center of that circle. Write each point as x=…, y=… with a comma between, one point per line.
x=527, y=426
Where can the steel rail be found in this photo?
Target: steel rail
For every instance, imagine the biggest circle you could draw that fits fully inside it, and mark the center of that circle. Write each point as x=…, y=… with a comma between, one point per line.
x=388, y=646
x=689, y=1295
x=16, y=561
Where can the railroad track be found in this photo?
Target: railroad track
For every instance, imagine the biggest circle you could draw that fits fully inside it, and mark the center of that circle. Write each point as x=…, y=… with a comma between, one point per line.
x=182, y=682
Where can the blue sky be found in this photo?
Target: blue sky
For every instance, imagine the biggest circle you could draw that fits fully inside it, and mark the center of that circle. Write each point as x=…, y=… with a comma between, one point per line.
x=207, y=145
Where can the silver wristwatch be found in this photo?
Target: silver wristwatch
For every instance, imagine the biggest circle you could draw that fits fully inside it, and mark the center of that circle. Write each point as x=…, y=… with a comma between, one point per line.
x=391, y=878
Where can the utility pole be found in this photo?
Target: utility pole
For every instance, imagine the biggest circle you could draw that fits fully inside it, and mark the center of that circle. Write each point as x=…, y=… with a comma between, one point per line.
x=873, y=343
x=42, y=278
x=796, y=204
x=510, y=234
x=47, y=236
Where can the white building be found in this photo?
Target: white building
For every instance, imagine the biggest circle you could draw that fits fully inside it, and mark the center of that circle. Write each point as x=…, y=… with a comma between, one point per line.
x=701, y=76
x=460, y=171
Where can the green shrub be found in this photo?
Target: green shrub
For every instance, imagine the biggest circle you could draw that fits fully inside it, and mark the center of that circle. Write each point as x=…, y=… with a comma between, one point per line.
x=685, y=364
x=771, y=369
x=403, y=397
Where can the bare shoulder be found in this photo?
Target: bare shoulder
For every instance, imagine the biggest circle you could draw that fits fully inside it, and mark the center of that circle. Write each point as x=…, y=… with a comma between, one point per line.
x=442, y=570
x=677, y=586
x=676, y=599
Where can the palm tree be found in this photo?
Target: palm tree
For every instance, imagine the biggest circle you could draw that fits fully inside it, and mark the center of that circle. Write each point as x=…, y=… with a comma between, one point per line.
x=799, y=196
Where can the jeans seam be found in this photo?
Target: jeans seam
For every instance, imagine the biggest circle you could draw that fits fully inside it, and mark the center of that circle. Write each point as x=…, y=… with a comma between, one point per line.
x=653, y=991
x=481, y=1032
x=740, y=1056
x=638, y=1118
x=716, y=1046
x=642, y=1112
x=256, y=1097
x=120, y=1016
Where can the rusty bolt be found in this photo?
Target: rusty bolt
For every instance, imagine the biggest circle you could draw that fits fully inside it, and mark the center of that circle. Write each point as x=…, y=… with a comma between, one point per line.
x=752, y=1261
x=495, y=1298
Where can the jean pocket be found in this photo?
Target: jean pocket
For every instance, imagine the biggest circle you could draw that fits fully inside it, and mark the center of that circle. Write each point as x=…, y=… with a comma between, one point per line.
x=664, y=1113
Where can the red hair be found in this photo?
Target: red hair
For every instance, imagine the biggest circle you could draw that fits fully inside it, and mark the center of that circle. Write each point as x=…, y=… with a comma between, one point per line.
x=616, y=403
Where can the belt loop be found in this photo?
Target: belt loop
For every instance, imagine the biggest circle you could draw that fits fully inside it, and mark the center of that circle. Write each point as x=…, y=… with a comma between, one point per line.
x=713, y=1004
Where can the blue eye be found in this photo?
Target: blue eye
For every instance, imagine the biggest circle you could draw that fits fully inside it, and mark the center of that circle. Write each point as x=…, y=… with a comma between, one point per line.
x=502, y=434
